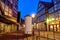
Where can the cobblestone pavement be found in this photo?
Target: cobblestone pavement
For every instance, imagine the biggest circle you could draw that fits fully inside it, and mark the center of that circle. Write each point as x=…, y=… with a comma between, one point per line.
x=49, y=35
x=43, y=35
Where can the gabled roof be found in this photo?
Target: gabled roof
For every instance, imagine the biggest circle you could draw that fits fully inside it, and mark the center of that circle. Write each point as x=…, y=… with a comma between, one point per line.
x=47, y=4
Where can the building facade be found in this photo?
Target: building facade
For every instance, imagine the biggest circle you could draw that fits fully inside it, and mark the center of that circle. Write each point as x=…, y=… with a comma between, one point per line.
x=46, y=20
x=8, y=15
x=50, y=22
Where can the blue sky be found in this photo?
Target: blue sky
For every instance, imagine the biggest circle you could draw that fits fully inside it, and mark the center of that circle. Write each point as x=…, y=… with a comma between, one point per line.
x=46, y=0
x=28, y=6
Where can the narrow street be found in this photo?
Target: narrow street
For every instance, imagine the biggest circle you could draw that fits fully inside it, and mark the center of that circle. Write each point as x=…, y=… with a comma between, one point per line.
x=29, y=19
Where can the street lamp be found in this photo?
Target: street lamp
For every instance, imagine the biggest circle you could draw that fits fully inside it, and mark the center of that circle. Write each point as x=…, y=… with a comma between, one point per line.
x=33, y=15
x=51, y=26
x=53, y=19
x=48, y=20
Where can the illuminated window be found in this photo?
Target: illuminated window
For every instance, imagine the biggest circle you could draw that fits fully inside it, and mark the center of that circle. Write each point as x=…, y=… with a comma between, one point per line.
x=6, y=28
x=6, y=10
x=56, y=18
x=10, y=12
x=2, y=30
x=37, y=26
x=55, y=28
x=51, y=27
x=58, y=28
x=13, y=27
x=9, y=28
x=6, y=13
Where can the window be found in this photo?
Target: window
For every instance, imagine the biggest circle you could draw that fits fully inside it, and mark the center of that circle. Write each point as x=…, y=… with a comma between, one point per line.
x=52, y=16
x=3, y=1
x=42, y=17
x=6, y=10
x=59, y=14
x=56, y=15
x=6, y=13
x=55, y=7
x=6, y=2
x=55, y=28
x=51, y=27
x=39, y=5
x=2, y=30
x=57, y=1
x=58, y=5
x=10, y=5
x=9, y=27
x=16, y=6
x=14, y=2
x=51, y=10
x=13, y=27
x=39, y=19
x=58, y=28
x=0, y=27
x=10, y=12
x=42, y=11
x=54, y=1
x=6, y=28
x=11, y=1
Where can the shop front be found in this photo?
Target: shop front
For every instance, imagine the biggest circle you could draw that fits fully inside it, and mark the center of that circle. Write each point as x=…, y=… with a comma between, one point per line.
x=54, y=26
x=6, y=28
x=7, y=24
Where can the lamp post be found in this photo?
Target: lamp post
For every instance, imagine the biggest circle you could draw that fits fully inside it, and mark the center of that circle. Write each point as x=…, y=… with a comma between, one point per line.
x=53, y=19
x=33, y=16
x=38, y=36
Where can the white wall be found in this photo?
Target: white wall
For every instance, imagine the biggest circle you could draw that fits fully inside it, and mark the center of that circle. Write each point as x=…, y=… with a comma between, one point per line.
x=28, y=25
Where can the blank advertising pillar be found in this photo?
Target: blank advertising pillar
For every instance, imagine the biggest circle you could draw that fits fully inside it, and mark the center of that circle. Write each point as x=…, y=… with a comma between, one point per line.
x=28, y=25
